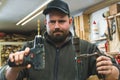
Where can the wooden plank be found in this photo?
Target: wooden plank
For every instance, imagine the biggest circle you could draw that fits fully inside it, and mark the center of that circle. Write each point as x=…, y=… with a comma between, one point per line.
x=99, y=6
x=82, y=27
x=76, y=28
x=86, y=26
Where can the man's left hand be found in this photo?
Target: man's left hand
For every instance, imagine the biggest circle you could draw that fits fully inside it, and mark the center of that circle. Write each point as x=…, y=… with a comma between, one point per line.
x=104, y=65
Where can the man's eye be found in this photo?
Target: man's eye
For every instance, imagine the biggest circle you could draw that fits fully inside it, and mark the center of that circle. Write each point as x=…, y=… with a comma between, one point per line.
x=53, y=22
x=61, y=21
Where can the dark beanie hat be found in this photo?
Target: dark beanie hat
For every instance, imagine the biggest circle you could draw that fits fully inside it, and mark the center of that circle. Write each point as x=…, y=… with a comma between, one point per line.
x=59, y=5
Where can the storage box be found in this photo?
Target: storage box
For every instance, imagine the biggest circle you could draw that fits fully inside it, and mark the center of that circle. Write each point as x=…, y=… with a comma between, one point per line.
x=114, y=9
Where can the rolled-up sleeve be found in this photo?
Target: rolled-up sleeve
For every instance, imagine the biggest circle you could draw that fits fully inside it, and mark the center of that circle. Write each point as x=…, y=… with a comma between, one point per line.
x=2, y=72
x=22, y=74
x=118, y=66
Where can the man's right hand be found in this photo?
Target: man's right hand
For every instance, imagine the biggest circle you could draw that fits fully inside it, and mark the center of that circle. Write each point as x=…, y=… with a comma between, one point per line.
x=11, y=73
x=18, y=58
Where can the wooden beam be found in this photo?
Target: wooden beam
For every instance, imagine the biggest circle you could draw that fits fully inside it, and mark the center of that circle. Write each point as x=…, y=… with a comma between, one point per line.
x=86, y=27
x=99, y=6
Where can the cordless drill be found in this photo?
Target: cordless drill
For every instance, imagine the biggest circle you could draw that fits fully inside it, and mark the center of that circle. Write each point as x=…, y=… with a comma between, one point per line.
x=36, y=57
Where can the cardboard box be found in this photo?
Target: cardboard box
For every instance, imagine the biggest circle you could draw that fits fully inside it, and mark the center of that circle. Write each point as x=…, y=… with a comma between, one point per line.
x=114, y=9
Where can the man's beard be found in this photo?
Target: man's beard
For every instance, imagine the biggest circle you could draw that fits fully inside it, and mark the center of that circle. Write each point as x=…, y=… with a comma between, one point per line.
x=58, y=38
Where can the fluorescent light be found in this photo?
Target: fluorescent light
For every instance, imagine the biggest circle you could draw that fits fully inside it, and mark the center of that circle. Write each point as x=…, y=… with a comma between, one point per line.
x=31, y=18
x=0, y=2
x=32, y=14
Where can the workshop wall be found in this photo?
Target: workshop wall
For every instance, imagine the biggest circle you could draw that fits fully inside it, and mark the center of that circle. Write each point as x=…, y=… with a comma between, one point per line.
x=98, y=24
x=99, y=30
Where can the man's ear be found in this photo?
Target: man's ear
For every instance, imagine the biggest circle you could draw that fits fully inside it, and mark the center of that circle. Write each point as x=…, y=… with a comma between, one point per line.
x=45, y=22
x=70, y=21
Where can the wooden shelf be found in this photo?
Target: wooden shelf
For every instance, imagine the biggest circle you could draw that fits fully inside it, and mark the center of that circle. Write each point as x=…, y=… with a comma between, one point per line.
x=12, y=43
x=100, y=39
x=6, y=48
x=118, y=14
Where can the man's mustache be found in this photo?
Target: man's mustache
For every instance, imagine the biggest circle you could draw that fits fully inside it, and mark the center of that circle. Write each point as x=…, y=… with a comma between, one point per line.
x=57, y=30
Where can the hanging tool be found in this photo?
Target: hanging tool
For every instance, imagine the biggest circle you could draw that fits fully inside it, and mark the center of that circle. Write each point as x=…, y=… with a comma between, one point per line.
x=106, y=15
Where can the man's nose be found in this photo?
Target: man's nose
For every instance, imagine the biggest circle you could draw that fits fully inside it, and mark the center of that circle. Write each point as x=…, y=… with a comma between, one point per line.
x=56, y=24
